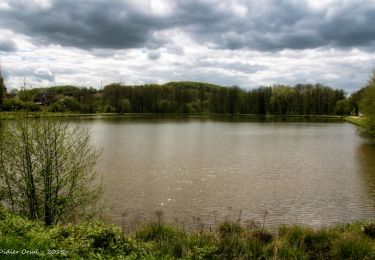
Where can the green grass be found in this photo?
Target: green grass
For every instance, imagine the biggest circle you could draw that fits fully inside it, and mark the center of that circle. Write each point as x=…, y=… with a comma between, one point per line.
x=359, y=121
x=159, y=241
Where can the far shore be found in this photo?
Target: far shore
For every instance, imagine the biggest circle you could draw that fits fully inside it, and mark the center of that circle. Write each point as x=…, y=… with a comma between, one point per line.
x=10, y=115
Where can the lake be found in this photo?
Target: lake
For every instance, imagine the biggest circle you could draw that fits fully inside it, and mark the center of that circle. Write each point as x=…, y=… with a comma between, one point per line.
x=203, y=169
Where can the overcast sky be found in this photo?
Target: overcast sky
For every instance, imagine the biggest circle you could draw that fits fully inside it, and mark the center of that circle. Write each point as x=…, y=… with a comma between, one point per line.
x=227, y=42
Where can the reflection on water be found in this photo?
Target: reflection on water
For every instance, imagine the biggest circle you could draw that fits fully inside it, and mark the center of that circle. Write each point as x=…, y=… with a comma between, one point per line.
x=365, y=158
x=313, y=173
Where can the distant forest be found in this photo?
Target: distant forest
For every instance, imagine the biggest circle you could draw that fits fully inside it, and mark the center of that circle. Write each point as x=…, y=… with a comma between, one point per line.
x=185, y=97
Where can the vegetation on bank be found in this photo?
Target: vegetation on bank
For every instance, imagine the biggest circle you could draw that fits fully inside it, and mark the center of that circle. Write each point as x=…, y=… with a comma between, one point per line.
x=25, y=239
x=367, y=106
x=364, y=100
x=355, y=120
x=182, y=97
x=47, y=169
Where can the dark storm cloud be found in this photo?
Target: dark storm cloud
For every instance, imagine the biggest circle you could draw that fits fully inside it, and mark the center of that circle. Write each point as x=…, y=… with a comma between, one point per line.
x=277, y=25
x=84, y=24
x=269, y=26
x=7, y=45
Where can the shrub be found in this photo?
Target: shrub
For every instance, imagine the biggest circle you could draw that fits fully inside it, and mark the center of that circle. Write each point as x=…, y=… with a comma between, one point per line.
x=294, y=235
x=353, y=247
x=108, y=109
x=47, y=169
x=262, y=236
x=12, y=105
x=369, y=230
x=156, y=231
x=318, y=244
x=231, y=242
x=229, y=229
x=56, y=107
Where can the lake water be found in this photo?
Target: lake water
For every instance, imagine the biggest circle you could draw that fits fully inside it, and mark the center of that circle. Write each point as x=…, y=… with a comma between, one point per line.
x=208, y=169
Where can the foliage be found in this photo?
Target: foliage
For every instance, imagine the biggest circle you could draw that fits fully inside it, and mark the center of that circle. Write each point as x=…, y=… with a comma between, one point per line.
x=86, y=240
x=367, y=105
x=16, y=105
x=342, y=107
x=369, y=230
x=2, y=90
x=354, y=101
x=124, y=106
x=47, y=169
x=194, y=97
x=160, y=241
x=356, y=120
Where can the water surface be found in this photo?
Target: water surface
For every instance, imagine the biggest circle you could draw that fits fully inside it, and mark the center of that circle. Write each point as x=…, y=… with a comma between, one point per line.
x=311, y=173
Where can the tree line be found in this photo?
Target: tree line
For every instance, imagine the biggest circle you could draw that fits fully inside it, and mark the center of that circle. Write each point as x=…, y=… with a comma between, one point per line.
x=364, y=101
x=184, y=97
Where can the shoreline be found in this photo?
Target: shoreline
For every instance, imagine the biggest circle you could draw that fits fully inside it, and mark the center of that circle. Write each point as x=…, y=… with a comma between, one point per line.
x=9, y=115
x=355, y=120
x=157, y=240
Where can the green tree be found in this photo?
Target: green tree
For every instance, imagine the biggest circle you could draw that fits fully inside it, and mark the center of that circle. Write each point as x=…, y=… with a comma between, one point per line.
x=47, y=169
x=281, y=99
x=2, y=90
x=342, y=107
x=367, y=105
x=124, y=106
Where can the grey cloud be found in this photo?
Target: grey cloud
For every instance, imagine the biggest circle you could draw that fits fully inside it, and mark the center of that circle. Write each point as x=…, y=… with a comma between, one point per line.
x=7, y=45
x=30, y=74
x=353, y=25
x=268, y=26
x=42, y=73
x=153, y=55
x=83, y=24
x=232, y=66
x=278, y=25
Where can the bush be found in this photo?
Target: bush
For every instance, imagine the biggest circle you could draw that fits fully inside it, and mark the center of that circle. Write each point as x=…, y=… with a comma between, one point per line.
x=12, y=105
x=160, y=241
x=353, y=247
x=229, y=229
x=56, y=107
x=318, y=244
x=47, y=169
x=294, y=235
x=369, y=230
x=71, y=105
x=367, y=105
x=108, y=109
x=262, y=236
x=82, y=240
x=231, y=242
x=156, y=231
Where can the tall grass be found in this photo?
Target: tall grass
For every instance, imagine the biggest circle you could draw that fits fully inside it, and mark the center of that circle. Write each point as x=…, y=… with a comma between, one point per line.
x=157, y=240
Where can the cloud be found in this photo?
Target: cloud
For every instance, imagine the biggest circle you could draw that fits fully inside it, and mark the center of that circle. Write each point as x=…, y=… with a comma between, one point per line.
x=233, y=42
x=153, y=55
x=43, y=73
x=82, y=24
x=7, y=45
x=266, y=26
x=274, y=25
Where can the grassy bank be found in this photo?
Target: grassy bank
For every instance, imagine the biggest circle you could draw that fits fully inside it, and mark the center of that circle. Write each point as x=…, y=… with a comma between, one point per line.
x=24, y=239
x=359, y=121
